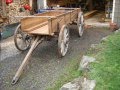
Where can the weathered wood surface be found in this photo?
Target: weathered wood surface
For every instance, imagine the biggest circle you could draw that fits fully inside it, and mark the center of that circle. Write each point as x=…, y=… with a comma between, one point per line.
x=41, y=31
x=49, y=22
x=90, y=14
x=1, y=20
x=26, y=59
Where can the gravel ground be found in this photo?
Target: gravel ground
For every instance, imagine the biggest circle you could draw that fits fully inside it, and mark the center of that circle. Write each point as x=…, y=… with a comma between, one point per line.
x=45, y=66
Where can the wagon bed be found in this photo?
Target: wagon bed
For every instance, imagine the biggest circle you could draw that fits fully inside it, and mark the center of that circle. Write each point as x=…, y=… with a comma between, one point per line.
x=47, y=23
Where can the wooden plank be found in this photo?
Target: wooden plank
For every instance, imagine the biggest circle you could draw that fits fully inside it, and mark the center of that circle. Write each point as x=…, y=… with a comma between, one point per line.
x=35, y=27
x=27, y=23
x=41, y=31
x=90, y=14
x=35, y=16
x=74, y=15
x=67, y=18
x=50, y=25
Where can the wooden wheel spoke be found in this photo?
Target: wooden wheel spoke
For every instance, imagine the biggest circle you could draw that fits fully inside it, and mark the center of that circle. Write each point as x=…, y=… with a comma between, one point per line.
x=19, y=36
x=62, y=47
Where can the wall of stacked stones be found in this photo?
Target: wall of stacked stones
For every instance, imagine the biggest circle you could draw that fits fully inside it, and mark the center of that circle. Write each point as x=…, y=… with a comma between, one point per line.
x=13, y=10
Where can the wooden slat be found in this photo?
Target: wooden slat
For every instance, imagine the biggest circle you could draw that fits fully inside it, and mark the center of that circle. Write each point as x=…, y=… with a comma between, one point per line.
x=90, y=14
x=1, y=20
x=35, y=27
x=33, y=22
x=40, y=31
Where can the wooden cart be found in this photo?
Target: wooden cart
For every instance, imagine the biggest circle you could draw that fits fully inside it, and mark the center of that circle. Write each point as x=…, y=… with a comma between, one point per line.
x=43, y=26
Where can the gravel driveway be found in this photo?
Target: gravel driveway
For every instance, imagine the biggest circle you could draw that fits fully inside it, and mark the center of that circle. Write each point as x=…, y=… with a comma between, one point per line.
x=45, y=66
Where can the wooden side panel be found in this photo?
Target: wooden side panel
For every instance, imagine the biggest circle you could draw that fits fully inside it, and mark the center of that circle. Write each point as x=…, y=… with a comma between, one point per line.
x=62, y=22
x=54, y=23
x=57, y=23
x=41, y=31
x=74, y=15
x=30, y=22
x=67, y=18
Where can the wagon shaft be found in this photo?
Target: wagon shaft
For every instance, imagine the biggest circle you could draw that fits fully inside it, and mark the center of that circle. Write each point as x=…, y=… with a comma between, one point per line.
x=25, y=61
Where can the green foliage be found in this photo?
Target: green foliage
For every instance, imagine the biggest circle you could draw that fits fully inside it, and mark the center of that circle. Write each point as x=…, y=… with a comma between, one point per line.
x=106, y=71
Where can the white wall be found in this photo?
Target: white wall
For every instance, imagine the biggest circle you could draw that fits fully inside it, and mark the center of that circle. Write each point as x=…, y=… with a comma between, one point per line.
x=116, y=12
x=42, y=4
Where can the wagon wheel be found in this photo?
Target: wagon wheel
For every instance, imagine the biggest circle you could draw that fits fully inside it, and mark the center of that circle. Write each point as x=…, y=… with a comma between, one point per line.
x=63, y=41
x=21, y=39
x=80, y=24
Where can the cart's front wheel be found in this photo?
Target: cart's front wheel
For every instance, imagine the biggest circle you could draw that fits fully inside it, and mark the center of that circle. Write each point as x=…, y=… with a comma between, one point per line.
x=80, y=24
x=21, y=39
x=63, y=40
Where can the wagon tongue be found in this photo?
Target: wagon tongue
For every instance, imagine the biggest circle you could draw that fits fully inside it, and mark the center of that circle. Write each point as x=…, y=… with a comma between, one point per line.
x=14, y=81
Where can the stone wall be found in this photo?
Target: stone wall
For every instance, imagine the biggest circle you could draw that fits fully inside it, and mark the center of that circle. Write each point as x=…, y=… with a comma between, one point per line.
x=1, y=7
x=116, y=12
x=13, y=10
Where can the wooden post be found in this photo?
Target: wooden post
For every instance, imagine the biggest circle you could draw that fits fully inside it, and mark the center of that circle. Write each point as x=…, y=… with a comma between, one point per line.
x=50, y=25
x=91, y=5
x=4, y=8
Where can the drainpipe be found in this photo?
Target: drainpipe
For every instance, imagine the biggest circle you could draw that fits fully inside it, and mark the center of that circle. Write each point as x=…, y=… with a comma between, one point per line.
x=113, y=11
x=115, y=23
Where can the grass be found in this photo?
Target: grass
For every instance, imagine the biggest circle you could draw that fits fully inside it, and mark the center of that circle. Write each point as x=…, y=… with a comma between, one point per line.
x=71, y=72
x=106, y=70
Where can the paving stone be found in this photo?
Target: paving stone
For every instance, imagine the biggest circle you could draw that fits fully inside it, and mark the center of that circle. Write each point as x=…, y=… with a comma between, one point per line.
x=80, y=83
x=70, y=86
x=85, y=62
x=104, y=39
x=88, y=84
x=117, y=31
x=93, y=45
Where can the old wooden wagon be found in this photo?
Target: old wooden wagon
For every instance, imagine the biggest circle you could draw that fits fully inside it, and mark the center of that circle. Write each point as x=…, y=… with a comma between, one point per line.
x=44, y=26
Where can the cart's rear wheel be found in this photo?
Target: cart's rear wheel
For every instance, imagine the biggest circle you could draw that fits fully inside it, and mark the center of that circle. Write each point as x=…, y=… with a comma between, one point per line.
x=80, y=24
x=21, y=39
x=63, y=40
